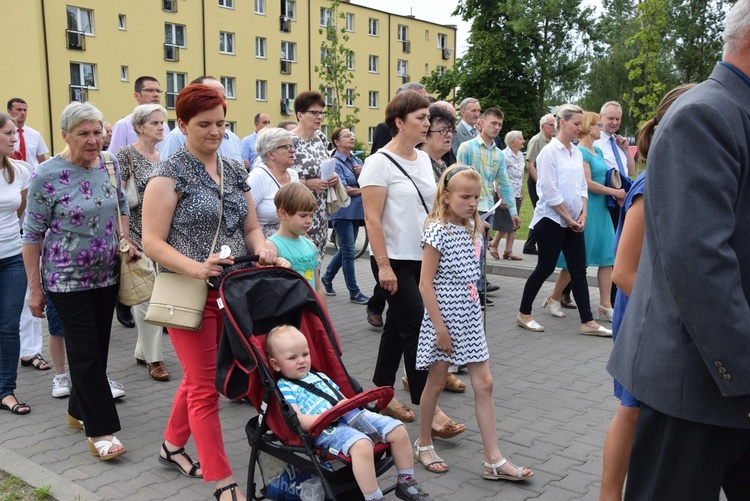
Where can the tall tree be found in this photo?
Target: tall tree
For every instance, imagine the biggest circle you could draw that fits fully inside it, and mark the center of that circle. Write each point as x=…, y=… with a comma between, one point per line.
x=698, y=25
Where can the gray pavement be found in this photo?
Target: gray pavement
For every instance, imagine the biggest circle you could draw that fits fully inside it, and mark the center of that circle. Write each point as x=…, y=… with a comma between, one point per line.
x=552, y=398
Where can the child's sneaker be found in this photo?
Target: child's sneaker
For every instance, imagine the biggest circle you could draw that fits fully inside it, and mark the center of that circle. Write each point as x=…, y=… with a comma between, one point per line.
x=61, y=386
x=411, y=491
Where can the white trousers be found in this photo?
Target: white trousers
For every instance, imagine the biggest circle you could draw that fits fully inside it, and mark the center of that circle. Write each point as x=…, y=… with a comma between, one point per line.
x=31, y=330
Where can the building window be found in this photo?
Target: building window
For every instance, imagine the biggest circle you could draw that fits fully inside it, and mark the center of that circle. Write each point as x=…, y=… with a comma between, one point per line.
x=441, y=70
x=174, y=34
x=370, y=134
x=350, y=61
x=349, y=21
x=83, y=75
x=172, y=123
x=260, y=47
x=326, y=16
x=373, y=64
x=261, y=87
x=169, y=5
x=288, y=51
x=401, y=68
x=324, y=130
x=288, y=9
x=229, y=4
x=81, y=20
x=373, y=99
x=442, y=40
x=124, y=74
x=403, y=33
x=175, y=83
x=426, y=34
x=288, y=93
x=350, y=98
x=426, y=69
x=122, y=22
x=230, y=125
x=328, y=96
x=260, y=7
x=226, y=42
x=373, y=27
x=229, y=84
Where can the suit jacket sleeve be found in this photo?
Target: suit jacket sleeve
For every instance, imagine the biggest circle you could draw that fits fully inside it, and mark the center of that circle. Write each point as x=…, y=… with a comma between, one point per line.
x=381, y=137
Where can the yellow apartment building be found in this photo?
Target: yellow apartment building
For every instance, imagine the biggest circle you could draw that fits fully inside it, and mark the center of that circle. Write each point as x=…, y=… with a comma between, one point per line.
x=264, y=51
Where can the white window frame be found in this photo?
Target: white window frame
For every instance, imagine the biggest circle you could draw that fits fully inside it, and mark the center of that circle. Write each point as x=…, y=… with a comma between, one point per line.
x=288, y=51
x=122, y=22
x=232, y=126
x=441, y=70
x=290, y=10
x=349, y=22
x=82, y=74
x=373, y=64
x=230, y=86
x=373, y=99
x=226, y=4
x=373, y=27
x=426, y=69
x=349, y=98
x=227, y=40
x=175, y=82
x=261, y=90
x=402, y=68
x=426, y=34
x=286, y=87
x=172, y=8
x=124, y=74
x=442, y=41
x=85, y=26
x=403, y=33
x=370, y=134
x=260, y=7
x=326, y=16
x=324, y=129
x=328, y=96
x=261, y=48
x=350, y=61
x=175, y=28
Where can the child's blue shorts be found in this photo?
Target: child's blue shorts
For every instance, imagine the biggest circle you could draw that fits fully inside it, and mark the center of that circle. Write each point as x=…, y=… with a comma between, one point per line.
x=341, y=437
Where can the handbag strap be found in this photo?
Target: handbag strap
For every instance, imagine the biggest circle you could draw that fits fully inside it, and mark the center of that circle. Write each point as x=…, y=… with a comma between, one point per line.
x=421, y=198
x=221, y=202
x=109, y=163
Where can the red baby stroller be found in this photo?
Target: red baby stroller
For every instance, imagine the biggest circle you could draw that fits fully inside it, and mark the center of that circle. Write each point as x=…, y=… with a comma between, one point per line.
x=256, y=300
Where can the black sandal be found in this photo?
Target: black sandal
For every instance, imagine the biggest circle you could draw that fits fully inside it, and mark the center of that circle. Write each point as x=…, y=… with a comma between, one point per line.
x=36, y=362
x=231, y=487
x=168, y=461
x=15, y=409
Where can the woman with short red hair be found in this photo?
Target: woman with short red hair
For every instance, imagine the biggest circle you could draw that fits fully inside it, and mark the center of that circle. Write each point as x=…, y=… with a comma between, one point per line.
x=181, y=215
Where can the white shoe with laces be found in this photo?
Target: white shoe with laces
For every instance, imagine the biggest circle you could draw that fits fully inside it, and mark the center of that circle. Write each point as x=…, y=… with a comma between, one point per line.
x=61, y=386
x=118, y=390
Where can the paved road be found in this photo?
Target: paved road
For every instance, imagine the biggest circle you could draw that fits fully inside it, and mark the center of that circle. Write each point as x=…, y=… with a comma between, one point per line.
x=552, y=398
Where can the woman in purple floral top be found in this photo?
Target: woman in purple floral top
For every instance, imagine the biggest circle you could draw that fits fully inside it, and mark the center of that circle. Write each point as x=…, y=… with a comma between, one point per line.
x=71, y=223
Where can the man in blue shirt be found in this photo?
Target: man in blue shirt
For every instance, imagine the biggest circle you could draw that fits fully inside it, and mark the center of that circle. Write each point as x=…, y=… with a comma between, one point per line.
x=249, y=155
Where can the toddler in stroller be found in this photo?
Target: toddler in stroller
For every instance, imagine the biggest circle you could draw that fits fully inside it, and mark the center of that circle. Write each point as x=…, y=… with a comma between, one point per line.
x=310, y=394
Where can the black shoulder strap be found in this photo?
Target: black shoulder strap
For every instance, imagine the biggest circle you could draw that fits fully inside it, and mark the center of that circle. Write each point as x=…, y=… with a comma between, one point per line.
x=317, y=391
x=271, y=175
x=421, y=198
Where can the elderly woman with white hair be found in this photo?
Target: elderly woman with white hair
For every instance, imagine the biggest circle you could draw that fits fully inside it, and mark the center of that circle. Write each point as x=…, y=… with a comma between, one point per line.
x=275, y=151
x=72, y=213
x=137, y=162
x=502, y=222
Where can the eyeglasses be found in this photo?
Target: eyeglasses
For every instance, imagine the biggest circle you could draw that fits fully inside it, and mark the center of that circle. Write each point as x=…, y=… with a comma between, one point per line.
x=443, y=132
x=600, y=125
x=316, y=113
x=287, y=147
x=550, y=125
x=152, y=91
x=347, y=136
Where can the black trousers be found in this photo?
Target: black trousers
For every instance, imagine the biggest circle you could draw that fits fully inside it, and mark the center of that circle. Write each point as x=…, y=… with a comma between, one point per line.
x=376, y=304
x=86, y=318
x=674, y=459
x=401, y=329
x=531, y=241
x=553, y=239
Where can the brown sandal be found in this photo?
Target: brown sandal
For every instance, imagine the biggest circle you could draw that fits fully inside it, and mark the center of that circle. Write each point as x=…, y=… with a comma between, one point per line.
x=454, y=385
x=449, y=430
x=401, y=412
x=493, y=252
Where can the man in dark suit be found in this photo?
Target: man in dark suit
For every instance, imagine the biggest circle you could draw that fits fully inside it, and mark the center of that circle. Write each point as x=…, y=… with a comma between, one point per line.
x=467, y=128
x=686, y=356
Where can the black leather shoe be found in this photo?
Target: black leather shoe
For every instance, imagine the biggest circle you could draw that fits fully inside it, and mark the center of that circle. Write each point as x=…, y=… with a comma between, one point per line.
x=124, y=315
x=491, y=287
x=530, y=251
x=565, y=302
x=483, y=299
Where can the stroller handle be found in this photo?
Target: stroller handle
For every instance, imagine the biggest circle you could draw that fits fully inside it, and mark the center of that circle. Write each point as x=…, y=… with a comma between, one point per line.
x=214, y=282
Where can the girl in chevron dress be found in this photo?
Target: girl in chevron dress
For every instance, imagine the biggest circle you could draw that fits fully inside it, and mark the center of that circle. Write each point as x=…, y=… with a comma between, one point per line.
x=452, y=331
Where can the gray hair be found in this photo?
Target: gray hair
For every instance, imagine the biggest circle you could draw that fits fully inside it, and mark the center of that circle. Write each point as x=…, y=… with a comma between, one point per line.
x=143, y=111
x=446, y=106
x=76, y=113
x=410, y=87
x=512, y=136
x=608, y=104
x=566, y=112
x=736, y=27
x=270, y=138
x=545, y=118
x=466, y=102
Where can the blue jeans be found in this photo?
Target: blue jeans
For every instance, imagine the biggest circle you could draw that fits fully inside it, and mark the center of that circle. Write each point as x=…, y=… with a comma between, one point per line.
x=346, y=234
x=12, y=291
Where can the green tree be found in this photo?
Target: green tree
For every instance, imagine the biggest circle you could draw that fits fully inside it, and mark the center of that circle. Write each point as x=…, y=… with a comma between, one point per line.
x=698, y=25
x=334, y=72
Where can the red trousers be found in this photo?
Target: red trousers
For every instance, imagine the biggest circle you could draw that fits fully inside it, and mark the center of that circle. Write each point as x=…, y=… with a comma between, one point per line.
x=195, y=409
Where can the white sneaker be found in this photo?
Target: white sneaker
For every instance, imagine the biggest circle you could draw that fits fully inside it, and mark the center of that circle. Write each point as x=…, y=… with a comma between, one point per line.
x=61, y=386
x=118, y=390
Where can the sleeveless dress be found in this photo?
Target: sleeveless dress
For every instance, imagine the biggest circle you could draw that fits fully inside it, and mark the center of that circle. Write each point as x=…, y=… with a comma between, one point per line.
x=454, y=283
x=300, y=252
x=599, y=232
x=621, y=300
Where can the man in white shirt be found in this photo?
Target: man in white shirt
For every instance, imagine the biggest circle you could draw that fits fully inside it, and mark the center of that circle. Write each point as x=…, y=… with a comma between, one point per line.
x=467, y=127
x=147, y=91
x=34, y=151
x=231, y=145
x=249, y=155
x=612, y=143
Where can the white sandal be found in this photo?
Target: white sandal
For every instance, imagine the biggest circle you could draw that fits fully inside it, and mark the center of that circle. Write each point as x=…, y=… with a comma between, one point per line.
x=554, y=307
x=101, y=448
x=497, y=475
x=434, y=458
